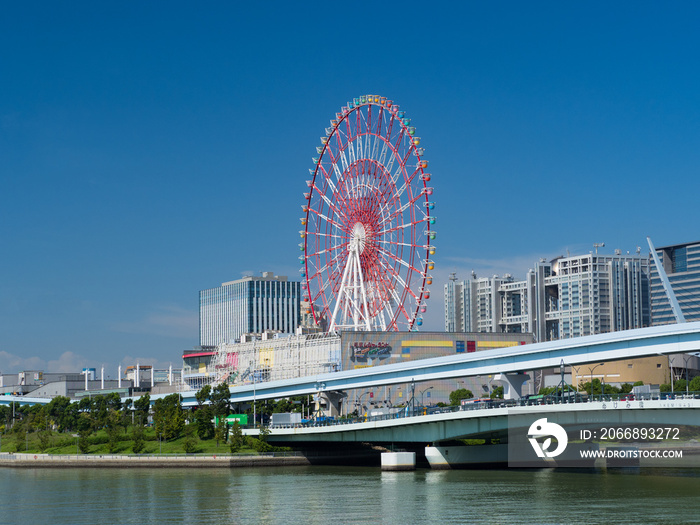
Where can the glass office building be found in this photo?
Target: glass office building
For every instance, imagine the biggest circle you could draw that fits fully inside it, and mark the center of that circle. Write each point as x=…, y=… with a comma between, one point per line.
x=253, y=304
x=681, y=262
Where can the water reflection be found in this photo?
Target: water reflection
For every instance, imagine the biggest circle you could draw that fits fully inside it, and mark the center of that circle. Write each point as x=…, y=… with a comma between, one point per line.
x=320, y=495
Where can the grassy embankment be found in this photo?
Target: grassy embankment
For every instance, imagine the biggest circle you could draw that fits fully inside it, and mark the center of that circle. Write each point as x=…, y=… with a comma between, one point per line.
x=58, y=443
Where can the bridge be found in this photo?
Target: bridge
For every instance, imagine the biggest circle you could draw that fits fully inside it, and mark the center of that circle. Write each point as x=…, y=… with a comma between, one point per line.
x=486, y=420
x=503, y=427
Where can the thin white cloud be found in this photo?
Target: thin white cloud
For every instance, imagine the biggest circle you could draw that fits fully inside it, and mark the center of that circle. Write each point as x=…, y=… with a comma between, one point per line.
x=170, y=321
x=10, y=363
x=67, y=362
x=72, y=363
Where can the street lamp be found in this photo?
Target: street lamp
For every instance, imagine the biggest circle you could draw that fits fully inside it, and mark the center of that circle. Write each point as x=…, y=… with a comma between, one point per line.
x=685, y=362
x=577, y=368
x=413, y=397
x=359, y=402
x=254, y=414
x=421, y=395
x=562, y=368
x=591, y=370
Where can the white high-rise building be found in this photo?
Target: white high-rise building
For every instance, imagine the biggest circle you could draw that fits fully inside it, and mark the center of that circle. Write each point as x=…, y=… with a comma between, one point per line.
x=566, y=297
x=473, y=305
x=458, y=306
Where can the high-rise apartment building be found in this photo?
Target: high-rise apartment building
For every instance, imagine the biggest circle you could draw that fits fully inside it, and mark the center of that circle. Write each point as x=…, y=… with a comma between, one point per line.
x=458, y=305
x=563, y=298
x=474, y=305
x=681, y=262
x=594, y=294
x=517, y=305
x=249, y=305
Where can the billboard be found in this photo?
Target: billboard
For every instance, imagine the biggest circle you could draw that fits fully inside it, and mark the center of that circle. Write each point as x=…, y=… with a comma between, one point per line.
x=363, y=349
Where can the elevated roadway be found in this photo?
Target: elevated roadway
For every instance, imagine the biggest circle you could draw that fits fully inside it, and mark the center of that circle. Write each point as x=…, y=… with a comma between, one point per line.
x=629, y=344
x=644, y=342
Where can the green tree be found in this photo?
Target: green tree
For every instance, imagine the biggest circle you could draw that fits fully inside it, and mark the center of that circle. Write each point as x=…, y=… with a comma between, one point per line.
x=138, y=439
x=236, y=438
x=44, y=439
x=113, y=401
x=204, y=423
x=221, y=400
x=497, y=393
x=203, y=395
x=694, y=385
x=189, y=444
x=112, y=429
x=168, y=416
x=62, y=413
x=18, y=445
x=594, y=388
x=220, y=433
x=142, y=407
x=679, y=385
x=85, y=426
x=125, y=413
x=456, y=396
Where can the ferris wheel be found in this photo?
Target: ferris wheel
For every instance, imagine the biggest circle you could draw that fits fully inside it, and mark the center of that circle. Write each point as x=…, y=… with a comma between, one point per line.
x=367, y=237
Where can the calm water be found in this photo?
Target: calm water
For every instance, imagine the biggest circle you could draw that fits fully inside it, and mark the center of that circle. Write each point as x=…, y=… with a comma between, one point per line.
x=312, y=495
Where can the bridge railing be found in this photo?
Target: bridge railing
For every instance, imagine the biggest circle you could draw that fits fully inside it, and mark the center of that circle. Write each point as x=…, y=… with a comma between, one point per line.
x=491, y=404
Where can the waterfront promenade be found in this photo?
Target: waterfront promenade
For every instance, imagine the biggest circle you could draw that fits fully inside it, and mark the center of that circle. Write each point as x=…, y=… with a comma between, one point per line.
x=273, y=459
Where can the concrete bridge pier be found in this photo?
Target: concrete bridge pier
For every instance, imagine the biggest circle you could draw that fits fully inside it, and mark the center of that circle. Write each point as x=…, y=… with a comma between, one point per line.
x=398, y=461
x=330, y=403
x=512, y=384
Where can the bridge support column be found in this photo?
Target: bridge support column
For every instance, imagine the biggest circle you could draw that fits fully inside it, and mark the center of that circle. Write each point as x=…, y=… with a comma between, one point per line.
x=512, y=384
x=398, y=461
x=330, y=403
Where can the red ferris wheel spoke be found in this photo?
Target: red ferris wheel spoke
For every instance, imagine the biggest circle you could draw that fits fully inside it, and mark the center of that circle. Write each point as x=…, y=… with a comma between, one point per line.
x=402, y=262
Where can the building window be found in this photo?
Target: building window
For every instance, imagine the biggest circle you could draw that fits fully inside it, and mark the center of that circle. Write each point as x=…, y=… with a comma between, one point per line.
x=679, y=260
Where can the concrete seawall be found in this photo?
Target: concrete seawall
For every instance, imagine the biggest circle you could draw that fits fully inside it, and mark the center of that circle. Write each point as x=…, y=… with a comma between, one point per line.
x=151, y=461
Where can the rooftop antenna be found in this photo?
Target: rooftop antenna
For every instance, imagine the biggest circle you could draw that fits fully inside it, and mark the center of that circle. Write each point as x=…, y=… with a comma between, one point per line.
x=597, y=245
x=675, y=307
x=453, y=276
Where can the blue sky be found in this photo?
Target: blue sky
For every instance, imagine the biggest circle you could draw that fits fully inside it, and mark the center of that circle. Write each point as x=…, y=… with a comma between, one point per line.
x=150, y=150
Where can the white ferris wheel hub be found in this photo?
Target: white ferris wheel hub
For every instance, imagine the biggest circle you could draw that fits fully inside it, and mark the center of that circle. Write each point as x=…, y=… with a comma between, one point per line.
x=357, y=241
